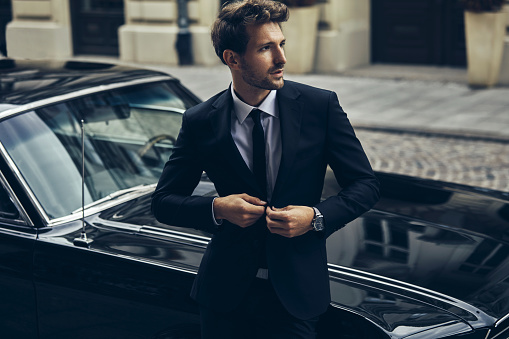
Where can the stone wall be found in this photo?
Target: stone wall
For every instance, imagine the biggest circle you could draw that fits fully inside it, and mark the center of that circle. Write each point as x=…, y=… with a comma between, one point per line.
x=151, y=29
x=344, y=38
x=39, y=29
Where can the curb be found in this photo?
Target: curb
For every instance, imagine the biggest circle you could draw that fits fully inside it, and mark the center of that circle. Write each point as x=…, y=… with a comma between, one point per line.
x=434, y=133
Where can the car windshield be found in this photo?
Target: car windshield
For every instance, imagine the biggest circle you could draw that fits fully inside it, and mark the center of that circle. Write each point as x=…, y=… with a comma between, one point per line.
x=129, y=135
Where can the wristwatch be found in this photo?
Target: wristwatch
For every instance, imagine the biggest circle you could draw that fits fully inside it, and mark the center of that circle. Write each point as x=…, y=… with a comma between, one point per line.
x=317, y=222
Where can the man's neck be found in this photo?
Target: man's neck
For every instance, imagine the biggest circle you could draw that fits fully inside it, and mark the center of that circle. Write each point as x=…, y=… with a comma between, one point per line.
x=251, y=100
x=250, y=95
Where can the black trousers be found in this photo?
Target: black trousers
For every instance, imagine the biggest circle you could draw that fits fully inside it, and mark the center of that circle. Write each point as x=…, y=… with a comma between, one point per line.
x=259, y=316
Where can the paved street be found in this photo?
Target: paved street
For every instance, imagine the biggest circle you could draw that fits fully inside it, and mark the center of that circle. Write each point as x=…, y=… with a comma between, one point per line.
x=455, y=159
x=423, y=122
x=423, y=102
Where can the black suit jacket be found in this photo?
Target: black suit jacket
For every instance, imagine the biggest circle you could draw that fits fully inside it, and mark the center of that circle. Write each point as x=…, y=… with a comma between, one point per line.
x=315, y=132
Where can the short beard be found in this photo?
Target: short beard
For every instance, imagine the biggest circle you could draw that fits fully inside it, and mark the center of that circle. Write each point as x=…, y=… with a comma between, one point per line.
x=264, y=83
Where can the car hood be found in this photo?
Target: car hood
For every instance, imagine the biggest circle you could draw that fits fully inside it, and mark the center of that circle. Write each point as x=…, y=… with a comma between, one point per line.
x=436, y=236
x=429, y=252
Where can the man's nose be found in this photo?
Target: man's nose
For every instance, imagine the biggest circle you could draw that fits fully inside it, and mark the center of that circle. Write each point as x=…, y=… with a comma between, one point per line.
x=280, y=56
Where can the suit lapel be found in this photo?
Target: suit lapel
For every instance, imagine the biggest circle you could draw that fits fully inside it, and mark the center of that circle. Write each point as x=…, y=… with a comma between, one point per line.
x=290, y=115
x=220, y=119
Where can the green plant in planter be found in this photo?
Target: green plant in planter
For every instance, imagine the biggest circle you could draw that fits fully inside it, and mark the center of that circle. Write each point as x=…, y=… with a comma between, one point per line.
x=482, y=5
x=298, y=3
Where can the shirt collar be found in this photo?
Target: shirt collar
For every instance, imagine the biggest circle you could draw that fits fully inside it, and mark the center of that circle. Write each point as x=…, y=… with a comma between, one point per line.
x=242, y=110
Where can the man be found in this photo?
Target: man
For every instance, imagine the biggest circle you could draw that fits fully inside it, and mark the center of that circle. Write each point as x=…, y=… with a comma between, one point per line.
x=264, y=273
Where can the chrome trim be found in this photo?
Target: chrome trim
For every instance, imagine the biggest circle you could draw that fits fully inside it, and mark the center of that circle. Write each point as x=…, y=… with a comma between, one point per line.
x=112, y=196
x=483, y=318
x=17, y=110
x=101, y=207
x=25, y=219
x=118, y=226
x=451, y=328
x=24, y=184
x=158, y=108
x=137, y=259
x=80, y=93
x=421, y=334
x=499, y=334
x=354, y=311
x=21, y=233
x=389, y=281
x=175, y=234
x=504, y=318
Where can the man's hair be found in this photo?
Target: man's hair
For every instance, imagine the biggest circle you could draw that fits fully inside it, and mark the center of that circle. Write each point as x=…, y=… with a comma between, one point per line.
x=229, y=29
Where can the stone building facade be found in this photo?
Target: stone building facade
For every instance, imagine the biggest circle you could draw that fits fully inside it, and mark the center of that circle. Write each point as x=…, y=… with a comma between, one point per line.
x=350, y=33
x=44, y=29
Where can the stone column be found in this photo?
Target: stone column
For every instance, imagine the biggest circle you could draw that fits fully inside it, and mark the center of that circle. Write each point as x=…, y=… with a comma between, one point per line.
x=39, y=29
x=504, y=67
x=344, y=38
x=150, y=32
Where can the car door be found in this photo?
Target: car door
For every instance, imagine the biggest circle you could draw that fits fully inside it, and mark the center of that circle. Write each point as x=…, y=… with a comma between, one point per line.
x=17, y=295
x=127, y=284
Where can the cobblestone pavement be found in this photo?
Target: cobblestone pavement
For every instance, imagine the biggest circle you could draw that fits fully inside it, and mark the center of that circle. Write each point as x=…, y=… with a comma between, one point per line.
x=468, y=161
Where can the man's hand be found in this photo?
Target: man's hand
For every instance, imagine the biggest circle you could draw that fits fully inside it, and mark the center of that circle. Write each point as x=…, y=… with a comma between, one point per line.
x=239, y=209
x=290, y=221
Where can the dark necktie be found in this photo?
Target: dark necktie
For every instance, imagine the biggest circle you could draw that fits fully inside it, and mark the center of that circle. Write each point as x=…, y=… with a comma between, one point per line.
x=259, y=167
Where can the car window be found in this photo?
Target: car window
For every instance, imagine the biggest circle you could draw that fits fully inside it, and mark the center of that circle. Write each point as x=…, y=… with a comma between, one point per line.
x=129, y=135
x=7, y=208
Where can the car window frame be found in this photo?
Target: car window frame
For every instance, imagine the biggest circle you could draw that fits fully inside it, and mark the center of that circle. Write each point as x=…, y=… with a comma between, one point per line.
x=23, y=220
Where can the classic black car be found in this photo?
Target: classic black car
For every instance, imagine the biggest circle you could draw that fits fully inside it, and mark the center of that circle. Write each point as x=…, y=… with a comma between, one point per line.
x=81, y=256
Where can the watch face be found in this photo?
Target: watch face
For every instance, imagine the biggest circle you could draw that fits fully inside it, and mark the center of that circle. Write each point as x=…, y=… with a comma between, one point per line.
x=319, y=224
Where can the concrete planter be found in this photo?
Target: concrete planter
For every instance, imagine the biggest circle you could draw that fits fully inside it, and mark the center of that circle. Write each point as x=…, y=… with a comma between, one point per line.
x=485, y=34
x=301, y=32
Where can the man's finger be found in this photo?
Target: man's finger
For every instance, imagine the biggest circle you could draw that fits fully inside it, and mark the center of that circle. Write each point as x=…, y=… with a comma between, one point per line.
x=276, y=224
x=277, y=213
x=256, y=210
x=253, y=200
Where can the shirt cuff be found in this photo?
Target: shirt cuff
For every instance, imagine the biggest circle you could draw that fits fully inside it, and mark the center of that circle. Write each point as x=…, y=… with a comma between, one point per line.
x=217, y=222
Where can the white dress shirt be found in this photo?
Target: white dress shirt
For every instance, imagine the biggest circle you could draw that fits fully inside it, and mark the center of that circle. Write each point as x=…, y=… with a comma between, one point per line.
x=242, y=130
x=242, y=134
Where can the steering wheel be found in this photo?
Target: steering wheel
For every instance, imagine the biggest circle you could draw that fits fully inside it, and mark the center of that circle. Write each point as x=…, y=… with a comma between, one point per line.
x=154, y=140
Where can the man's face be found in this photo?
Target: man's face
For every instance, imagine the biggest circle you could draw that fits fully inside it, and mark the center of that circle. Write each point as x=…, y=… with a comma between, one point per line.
x=262, y=64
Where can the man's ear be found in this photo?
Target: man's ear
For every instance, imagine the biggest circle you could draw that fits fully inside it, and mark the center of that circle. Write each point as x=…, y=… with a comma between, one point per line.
x=231, y=58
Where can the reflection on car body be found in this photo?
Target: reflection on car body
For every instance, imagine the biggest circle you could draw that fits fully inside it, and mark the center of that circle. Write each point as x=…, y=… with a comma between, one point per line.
x=430, y=261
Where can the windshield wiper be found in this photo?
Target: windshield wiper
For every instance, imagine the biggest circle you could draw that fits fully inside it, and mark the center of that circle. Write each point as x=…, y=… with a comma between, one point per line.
x=115, y=195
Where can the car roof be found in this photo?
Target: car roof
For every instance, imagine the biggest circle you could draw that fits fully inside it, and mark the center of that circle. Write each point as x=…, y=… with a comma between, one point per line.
x=26, y=81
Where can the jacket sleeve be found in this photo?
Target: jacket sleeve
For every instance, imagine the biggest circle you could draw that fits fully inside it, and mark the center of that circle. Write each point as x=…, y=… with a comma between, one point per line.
x=172, y=201
x=351, y=167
